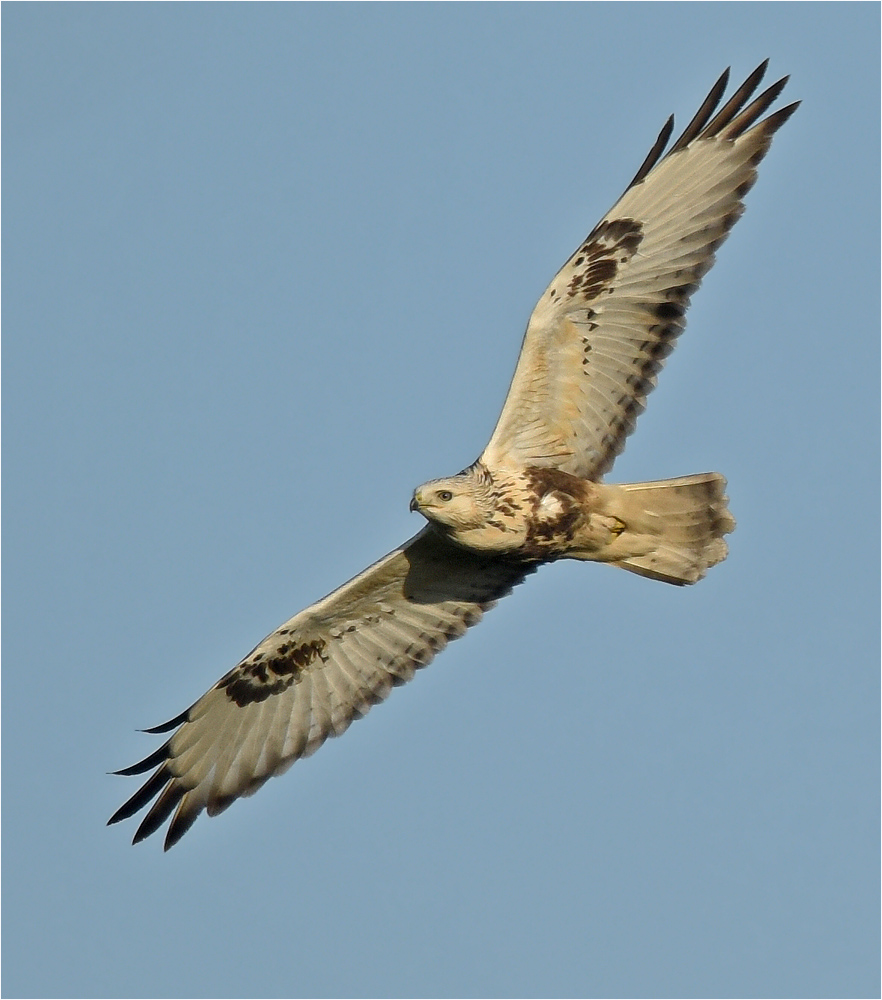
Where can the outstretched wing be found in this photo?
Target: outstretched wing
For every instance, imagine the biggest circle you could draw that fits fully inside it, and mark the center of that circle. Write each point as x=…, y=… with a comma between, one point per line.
x=310, y=678
x=600, y=333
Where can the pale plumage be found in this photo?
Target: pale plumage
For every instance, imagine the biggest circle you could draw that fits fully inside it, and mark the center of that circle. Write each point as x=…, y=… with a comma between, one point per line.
x=316, y=673
x=615, y=309
x=594, y=346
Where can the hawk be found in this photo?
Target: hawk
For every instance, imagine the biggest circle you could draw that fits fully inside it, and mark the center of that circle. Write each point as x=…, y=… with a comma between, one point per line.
x=593, y=349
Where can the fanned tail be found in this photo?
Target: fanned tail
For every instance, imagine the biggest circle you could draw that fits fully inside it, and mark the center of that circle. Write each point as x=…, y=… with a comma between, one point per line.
x=674, y=528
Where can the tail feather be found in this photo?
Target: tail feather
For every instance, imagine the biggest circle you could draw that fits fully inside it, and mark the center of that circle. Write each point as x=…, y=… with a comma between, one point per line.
x=673, y=529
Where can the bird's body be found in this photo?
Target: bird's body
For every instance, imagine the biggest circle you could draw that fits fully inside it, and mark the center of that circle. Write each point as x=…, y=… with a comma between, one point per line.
x=594, y=346
x=532, y=513
x=543, y=514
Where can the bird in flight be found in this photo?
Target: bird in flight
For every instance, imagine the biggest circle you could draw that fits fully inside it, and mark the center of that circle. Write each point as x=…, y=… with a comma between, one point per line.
x=594, y=346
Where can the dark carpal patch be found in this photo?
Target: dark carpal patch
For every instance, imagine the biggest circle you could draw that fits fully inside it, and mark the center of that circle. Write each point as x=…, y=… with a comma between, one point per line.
x=596, y=263
x=548, y=534
x=257, y=678
x=543, y=481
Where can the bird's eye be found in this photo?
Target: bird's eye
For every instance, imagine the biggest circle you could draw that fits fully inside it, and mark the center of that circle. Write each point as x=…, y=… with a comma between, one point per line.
x=445, y=495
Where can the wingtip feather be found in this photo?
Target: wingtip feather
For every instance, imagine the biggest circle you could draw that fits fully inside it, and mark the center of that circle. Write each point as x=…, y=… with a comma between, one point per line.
x=147, y=764
x=166, y=727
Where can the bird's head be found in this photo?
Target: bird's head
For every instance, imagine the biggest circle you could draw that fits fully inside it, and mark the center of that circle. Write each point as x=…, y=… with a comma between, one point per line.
x=452, y=503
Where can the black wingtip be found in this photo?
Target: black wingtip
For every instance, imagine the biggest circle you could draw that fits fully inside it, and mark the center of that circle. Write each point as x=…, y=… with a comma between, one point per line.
x=737, y=101
x=776, y=120
x=702, y=116
x=181, y=822
x=160, y=811
x=731, y=121
x=178, y=720
x=753, y=81
x=151, y=788
x=655, y=154
x=147, y=764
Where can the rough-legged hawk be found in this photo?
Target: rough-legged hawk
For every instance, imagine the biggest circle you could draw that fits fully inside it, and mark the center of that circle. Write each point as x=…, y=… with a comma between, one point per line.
x=592, y=352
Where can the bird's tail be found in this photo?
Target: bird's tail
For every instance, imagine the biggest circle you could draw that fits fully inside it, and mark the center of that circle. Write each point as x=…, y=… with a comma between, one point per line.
x=673, y=529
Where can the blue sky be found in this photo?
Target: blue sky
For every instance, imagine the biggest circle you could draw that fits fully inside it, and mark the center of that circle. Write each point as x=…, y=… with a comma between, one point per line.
x=267, y=268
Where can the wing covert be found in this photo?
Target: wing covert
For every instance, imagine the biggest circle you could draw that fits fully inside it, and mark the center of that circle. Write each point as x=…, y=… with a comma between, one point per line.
x=601, y=331
x=313, y=676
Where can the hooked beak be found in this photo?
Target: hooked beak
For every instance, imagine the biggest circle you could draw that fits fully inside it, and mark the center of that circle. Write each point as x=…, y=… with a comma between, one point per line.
x=414, y=503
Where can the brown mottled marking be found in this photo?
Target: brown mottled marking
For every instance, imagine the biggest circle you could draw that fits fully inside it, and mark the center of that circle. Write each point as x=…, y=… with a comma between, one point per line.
x=548, y=534
x=301, y=656
x=250, y=681
x=544, y=481
x=496, y=523
x=610, y=244
x=507, y=507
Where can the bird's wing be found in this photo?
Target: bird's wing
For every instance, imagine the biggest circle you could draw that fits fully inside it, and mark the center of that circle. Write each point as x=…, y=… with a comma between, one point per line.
x=600, y=333
x=310, y=678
